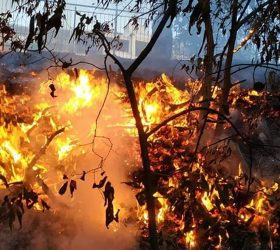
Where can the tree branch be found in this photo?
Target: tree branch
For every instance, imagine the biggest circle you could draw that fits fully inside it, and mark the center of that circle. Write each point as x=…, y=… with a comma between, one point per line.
x=253, y=13
x=44, y=148
x=149, y=46
x=186, y=111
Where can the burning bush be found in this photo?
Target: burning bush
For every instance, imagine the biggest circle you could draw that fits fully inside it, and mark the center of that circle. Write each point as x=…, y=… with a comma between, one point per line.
x=206, y=196
x=205, y=199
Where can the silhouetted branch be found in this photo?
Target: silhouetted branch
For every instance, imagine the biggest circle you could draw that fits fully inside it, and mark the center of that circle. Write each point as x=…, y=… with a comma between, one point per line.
x=149, y=46
x=44, y=147
x=192, y=109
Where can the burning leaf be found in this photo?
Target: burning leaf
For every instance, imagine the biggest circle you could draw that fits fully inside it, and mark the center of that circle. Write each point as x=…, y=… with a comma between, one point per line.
x=66, y=65
x=19, y=214
x=11, y=217
x=45, y=187
x=19, y=203
x=53, y=89
x=72, y=186
x=30, y=197
x=248, y=222
x=141, y=198
x=3, y=178
x=132, y=184
x=100, y=184
x=109, y=193
x=117, y=216
x=76, y=72
x=94, y=185
x=224, y=194
x=109, y=215
x=45, y=205
x=83, y=177
x=203, y=184
x=6, y=200
x=109, y=197
x=63, y=189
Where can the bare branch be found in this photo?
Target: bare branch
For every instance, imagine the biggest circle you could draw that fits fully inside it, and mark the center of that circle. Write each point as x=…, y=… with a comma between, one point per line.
x=149, y=46
x=44, y=147
x=253, y=13
x=192, y=109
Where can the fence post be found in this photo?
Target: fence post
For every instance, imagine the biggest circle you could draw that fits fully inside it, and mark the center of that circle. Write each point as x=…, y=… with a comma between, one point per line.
x=116, y=25
x=74, y=43
x=75, y=16
x=132, y=45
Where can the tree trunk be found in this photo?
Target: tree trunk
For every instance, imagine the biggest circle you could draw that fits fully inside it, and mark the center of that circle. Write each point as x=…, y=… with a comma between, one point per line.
x=224, y=108
x=148, y=176
x=142, y=135
x=208, y=60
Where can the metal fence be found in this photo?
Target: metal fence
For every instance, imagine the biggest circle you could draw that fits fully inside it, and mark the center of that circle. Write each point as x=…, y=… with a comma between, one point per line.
x=133, y=40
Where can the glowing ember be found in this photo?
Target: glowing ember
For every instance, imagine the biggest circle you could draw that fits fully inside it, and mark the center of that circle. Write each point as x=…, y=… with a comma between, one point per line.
x=190, y=239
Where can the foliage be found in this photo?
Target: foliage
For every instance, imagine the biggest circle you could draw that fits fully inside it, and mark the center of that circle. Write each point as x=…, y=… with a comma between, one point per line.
x=205, y=203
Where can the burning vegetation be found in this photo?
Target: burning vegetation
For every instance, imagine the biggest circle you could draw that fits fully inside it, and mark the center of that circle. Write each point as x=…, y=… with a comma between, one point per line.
x=207, y=195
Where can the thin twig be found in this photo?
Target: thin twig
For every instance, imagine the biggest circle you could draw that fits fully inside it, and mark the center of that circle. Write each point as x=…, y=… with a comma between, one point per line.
x=44, y=147
x=201, y=133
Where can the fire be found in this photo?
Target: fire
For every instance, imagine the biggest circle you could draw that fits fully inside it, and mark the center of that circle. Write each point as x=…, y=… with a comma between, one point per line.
x=81, y=91
x=158, y=99
x=193, y=200
x=9, y=149
x=161, y=211
x=190, y=239
x=163, y=207
x=207, y=202
x=260, y=203
x=64, y=147
x=215, y=197
x=143, y=214
x=26, y=126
